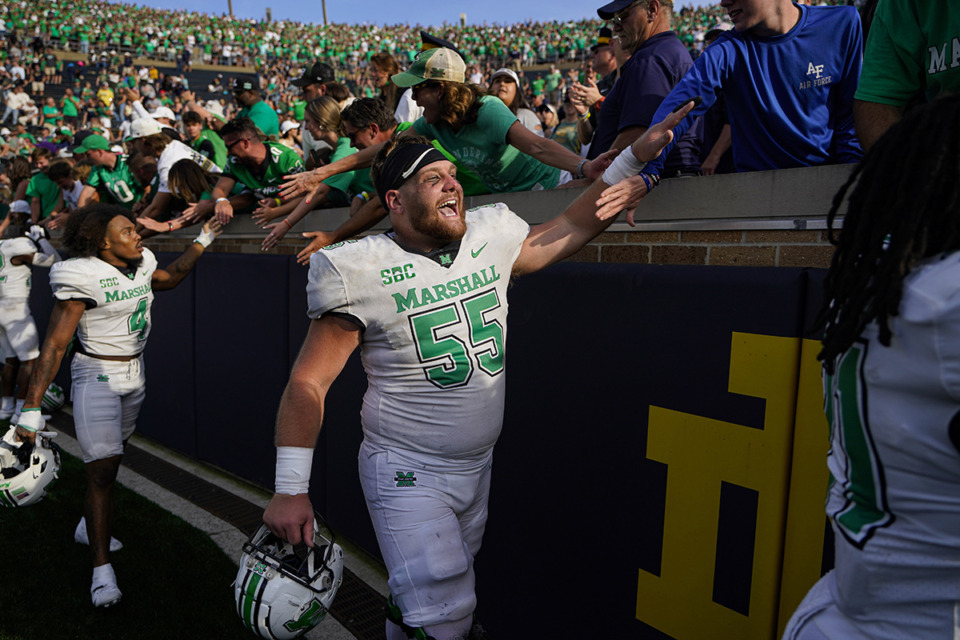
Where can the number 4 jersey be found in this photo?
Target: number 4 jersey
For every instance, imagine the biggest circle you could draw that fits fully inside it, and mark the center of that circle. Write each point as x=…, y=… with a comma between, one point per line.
x=433, y=332
x=117, y=319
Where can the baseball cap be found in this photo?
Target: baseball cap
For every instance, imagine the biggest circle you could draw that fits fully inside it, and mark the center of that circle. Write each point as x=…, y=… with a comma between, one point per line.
x=143, y=127
x=20, y=206
x=607, y=11
x=717, y=29
x=506, y=72
x=429, y=41
x=91, y=142
x=163, y=112
x=432, y=64
x=287, y=125
x=239, y=85
x=319, y=73
x=603, y=38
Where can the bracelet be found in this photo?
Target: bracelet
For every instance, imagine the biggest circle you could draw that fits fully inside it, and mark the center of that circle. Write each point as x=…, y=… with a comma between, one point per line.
x=584, y=116
x=170, y=225
x=289, y=226
x=278, y=201
x=599, y=103
x=363, y=195
x=579, y=173
x=293, y=470
x=218, y=200
x=31, y=419
x=647, y=182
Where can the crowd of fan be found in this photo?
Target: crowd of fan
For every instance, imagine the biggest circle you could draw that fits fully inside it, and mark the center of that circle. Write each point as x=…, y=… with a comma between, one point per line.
x=110, y=91
x=166, y=35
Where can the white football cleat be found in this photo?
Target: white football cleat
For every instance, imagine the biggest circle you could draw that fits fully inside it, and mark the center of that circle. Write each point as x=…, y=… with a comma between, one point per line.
x=80, y=536
x=105, y=595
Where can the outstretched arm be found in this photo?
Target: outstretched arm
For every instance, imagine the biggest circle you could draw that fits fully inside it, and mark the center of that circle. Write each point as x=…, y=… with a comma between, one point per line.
x=559, y=238
x=176, y=271
x=328, y=345
x=368, y=215
x=63, y=323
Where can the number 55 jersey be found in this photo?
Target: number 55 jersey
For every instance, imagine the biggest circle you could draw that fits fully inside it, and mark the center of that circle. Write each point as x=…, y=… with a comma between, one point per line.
x=117, y=318
x=434, y=330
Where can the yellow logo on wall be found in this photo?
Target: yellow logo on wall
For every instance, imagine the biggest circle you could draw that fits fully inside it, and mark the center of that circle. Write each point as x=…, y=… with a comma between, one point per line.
x=785, y=465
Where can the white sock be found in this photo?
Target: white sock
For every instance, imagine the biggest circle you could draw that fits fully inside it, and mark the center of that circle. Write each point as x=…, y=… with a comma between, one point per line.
x=104, y=575
x=7, y=403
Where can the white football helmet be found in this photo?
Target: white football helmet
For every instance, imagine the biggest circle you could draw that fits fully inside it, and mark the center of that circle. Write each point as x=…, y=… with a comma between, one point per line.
x=53, y=398
x=26, y=471
x=283, y=590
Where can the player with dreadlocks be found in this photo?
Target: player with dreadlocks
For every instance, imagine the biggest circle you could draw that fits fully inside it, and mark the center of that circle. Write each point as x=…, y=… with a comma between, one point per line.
x=891, y=357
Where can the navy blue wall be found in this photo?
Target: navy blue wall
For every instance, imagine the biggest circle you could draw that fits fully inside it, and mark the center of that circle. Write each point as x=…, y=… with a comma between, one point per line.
x=576, y=508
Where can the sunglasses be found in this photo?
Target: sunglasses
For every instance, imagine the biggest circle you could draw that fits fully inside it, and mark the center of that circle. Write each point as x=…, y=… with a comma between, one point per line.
x=235, y=143
x=621, y=15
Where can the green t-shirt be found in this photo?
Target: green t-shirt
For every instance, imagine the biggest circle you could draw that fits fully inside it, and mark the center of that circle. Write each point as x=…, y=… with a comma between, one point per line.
x=265, y=181
x=264, y=117
x=341, y=181
x=553, y=80
x=910, y=52
x=117, y=183
x=468, y=179
x=298, y=110
x=482, y=147
x=42, y=187
x=70, y=107
x=213, y=139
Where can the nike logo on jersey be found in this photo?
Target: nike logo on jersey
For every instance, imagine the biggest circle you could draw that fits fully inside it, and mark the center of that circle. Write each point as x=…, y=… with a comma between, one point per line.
x=477, y=252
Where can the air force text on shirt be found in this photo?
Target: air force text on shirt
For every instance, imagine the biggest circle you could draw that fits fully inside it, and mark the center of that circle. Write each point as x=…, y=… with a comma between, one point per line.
x=815, y=77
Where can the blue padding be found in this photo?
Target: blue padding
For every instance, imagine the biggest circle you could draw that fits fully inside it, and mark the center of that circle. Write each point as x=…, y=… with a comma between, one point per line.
x=242, y=365
x=169, y=411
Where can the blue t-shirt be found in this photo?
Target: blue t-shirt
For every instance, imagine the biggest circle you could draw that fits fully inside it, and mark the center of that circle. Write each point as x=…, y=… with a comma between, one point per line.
x=645, y=80
x=789, y=97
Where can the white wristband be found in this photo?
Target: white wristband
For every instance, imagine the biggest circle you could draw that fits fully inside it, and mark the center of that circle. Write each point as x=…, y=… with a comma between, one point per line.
x=31, y=419
x=205, y=239
x=293, y=470
x=218, y=200
x=623, y=166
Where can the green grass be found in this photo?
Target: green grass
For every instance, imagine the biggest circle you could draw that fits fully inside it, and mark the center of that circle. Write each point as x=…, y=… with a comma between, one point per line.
x=176, y=582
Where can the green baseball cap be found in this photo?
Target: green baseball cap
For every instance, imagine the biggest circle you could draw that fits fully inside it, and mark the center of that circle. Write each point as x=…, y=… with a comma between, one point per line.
x=91, y=142
x=432, y=64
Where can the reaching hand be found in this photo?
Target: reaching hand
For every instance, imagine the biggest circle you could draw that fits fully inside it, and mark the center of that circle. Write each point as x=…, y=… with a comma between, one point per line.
x=320, y=240
x=304, y=183
x=266, y=212
x=595, y=168
x=197, y=211
x=223, y=211
x=626, y=194
x=277, y=231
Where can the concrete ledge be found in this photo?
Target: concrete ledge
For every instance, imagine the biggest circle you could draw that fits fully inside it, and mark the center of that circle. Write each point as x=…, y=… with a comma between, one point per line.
x=785, y=199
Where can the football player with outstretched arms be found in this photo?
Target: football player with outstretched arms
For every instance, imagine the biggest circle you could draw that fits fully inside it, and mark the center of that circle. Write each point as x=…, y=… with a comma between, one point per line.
x=104, y=295
x=427, y=304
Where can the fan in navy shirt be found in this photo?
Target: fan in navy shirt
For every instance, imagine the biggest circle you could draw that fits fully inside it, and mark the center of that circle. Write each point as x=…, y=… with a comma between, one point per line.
x=658, y=60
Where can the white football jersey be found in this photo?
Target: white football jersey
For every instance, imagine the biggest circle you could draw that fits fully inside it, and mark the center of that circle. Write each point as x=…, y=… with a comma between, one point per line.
x=433, y=339
x=894, y=497
x=15, y=278
x=173, y=153
x=117, y=319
